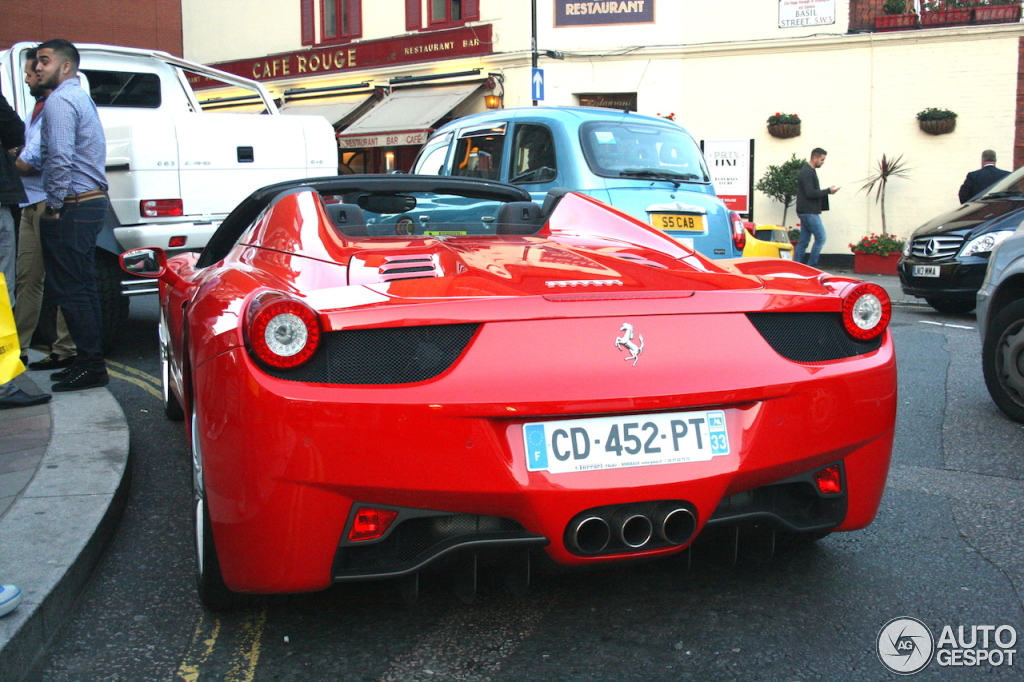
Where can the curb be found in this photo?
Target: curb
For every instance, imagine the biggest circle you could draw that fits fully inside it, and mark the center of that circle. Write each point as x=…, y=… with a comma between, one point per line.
x=55, y=532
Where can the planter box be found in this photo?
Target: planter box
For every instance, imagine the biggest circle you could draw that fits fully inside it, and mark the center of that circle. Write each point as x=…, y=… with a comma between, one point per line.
x=939, y=126
x=872, y=264
x=895, y=22
x=784, y=129
x=946, y=17
x=996, y=14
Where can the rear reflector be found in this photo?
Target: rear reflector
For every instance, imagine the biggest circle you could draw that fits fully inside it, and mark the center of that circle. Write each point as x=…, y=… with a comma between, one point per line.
x=161, y=208
x=371, y=523
x=176, y=242
x=829, y=480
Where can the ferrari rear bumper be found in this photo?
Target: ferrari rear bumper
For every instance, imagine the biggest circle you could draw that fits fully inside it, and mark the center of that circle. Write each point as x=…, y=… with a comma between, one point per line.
x=287, y=463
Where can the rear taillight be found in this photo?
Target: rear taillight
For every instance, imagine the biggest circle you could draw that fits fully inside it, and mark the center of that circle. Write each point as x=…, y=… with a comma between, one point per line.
x=739, y=232
x=866, y=311
x=282, y=332
x=161, y=208
x=371, y=523
x=829, y=480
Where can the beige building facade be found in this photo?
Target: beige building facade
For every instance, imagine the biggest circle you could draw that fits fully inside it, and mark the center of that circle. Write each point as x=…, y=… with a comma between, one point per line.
x=722, y=68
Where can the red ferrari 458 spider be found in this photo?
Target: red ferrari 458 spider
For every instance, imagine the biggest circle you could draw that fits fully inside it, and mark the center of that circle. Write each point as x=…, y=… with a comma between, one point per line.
x=385, y=374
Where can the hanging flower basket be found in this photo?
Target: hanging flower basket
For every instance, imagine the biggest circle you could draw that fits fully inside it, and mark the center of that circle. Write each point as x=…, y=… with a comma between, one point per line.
x=939, y=126
x=784, y=130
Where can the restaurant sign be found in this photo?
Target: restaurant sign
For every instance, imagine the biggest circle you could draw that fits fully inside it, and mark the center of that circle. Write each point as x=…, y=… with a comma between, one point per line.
x=569, y=13
x=368, y=54
x=416, y=137
x=796, y=13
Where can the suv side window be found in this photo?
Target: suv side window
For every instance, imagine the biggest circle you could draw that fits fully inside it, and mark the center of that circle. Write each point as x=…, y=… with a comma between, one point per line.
x=479, y=151
x=533, y=155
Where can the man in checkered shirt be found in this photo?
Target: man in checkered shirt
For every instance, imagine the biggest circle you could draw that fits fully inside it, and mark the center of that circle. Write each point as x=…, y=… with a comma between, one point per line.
x=74, y=153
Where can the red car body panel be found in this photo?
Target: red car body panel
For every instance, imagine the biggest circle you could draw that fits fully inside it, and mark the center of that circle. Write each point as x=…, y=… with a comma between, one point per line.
x=284, y=461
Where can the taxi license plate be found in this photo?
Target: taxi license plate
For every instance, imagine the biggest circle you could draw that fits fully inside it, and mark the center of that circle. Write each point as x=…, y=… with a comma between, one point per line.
x=678, y=221
x=926, y=271
x=625, y=441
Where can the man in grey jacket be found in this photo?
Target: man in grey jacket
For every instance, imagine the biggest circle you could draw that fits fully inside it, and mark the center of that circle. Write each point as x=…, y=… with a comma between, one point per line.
x=811, y=200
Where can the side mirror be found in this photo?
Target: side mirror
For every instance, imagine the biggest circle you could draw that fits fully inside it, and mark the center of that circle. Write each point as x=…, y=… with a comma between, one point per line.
x=149, y=262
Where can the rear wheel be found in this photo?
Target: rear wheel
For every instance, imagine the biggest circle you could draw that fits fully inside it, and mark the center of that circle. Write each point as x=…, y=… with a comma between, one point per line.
x=951, y=306
x=1002, y=360
x=213, y=592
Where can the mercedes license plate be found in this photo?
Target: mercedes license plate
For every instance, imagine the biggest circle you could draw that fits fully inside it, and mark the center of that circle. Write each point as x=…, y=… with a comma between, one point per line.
x=926, y=271
x=625, y=441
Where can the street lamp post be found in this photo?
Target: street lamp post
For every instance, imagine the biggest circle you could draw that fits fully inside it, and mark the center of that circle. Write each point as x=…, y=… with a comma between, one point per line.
x=533, y=41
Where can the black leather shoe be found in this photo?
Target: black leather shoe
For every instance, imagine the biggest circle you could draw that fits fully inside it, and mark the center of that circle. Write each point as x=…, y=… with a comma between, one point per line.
x=53, y=361
x=57, y=376
x=21, y=399
x=79, y=379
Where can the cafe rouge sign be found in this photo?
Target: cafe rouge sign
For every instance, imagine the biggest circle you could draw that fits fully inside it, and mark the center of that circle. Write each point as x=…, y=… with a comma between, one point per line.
x=369, y=54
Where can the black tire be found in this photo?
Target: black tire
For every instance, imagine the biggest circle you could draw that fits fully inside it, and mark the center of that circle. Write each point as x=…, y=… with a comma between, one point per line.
x=1002, y=360
x=112, y=303
x=951, y=306
x=172, y=408
x=214, y=594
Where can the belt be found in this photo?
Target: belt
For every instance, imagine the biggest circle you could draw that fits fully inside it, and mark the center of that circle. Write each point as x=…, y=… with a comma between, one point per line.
x=84, y=196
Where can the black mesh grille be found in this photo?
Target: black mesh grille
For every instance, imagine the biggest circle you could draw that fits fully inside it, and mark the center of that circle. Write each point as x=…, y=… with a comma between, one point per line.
x=810, y=337
x=392, y=355
x=796, y=505
x=418, y=536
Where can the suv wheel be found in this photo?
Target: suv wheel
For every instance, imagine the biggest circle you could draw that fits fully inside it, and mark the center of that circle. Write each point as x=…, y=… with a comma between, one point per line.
x=1002, y=360
x=951, y=306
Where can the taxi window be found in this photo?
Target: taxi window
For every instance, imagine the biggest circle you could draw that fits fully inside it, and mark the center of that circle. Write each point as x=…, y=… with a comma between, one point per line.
x=639, y=150
x=431, y=160
x=533, y=155
x=479, y=152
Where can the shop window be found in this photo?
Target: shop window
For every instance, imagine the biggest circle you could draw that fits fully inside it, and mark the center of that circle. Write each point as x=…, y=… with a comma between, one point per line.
x=533, y=155
x=353, y=163
x=440, y=13
x=341, y=20
x=478, y=153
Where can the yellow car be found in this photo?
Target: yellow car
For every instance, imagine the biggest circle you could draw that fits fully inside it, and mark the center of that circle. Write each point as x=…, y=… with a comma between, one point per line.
x=768, y=241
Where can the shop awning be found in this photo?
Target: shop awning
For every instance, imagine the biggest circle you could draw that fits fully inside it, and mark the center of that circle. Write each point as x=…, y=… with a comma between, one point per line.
x=335, y=110
x=405, y=117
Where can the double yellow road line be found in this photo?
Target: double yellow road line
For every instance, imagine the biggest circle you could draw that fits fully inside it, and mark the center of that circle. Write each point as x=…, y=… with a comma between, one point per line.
x=135, y=376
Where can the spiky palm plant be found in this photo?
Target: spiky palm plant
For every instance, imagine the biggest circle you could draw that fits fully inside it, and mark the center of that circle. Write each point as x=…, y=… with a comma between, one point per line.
x=886, y=169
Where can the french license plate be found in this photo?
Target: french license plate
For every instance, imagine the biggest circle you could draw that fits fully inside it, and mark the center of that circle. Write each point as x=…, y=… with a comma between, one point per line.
x=625, y=441
x=926, y=271
x=678, y=221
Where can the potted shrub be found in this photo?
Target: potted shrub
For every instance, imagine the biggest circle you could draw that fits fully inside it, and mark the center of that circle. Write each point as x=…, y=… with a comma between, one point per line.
x=996, y=11
x=779, y=183
x=887, y=169
x=794, y=235
x=946, y=13
x=877, y=254
x=895, y=17
x=784, y=125
x=936, y=121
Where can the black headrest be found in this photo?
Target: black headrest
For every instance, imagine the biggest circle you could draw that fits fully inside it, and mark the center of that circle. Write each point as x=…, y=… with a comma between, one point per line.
x=519, y=217
x=555, y=195
x=348, y=218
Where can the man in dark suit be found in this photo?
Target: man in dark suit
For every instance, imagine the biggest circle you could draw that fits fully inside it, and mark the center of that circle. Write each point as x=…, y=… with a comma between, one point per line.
x=983, y=178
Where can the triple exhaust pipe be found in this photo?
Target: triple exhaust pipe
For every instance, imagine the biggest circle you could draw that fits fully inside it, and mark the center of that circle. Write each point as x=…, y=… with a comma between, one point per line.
x=629, y=528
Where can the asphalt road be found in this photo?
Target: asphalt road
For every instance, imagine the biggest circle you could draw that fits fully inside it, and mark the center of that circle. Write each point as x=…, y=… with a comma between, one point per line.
x=946, y=548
